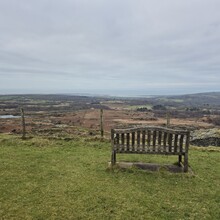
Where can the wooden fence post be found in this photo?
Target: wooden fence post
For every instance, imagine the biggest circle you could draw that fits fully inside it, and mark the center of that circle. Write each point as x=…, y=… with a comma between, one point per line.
x=23, y=124
x=101, y=123
x=168, y=119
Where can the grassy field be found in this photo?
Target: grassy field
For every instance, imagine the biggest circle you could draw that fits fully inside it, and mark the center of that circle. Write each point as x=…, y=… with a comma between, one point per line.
x=57, y=179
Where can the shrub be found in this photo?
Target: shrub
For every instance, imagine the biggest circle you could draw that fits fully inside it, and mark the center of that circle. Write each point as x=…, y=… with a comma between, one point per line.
x=216, y=120
x=159, y=107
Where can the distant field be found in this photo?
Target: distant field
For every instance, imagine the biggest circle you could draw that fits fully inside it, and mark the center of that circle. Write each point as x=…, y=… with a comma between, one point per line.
x=56, y=179
x=173, y=100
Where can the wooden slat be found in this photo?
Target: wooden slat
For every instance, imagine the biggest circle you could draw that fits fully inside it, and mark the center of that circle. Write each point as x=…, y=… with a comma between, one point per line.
x=123, y=141
x=175, y=142
x=143, y=140
x=154, y=139
x=159, y=140
x=164, y=141
x=170, y=139
x=157, y=128
x=138, y=140
x=148, y=139
x=128, y=141
x=181, y=142
x=133, y=141
x=117, y=141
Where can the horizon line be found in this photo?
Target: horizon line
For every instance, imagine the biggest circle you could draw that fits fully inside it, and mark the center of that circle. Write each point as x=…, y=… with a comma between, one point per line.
x=104, y=95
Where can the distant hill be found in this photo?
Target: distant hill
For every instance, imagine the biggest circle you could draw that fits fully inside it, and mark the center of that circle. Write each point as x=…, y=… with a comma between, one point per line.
x=199, y=99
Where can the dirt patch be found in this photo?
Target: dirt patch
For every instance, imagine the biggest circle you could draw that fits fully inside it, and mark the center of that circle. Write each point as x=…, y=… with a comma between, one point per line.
x=150, y=167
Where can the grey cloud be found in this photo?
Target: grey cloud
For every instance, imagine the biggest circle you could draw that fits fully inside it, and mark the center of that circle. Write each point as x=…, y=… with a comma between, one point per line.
x=82, y=45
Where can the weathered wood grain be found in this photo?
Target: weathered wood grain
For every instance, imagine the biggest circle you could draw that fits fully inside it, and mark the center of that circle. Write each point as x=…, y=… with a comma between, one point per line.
x=123, y=140
x=133, y=140
x=128, y=141
x=151, y=140
x=143, y=140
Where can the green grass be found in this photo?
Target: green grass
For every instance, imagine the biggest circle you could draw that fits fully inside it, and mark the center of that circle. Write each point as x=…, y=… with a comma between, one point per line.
x=57, y=179
x=169, y=99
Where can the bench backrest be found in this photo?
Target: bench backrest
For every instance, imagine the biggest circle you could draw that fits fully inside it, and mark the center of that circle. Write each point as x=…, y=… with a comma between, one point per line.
x=150, y=139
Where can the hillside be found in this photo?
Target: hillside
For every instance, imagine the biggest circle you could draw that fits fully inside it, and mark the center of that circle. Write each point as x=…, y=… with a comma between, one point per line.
x=47, y=114
x=211, y=98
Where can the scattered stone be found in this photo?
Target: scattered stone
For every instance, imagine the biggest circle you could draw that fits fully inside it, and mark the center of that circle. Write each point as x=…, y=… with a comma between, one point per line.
x=206, y=137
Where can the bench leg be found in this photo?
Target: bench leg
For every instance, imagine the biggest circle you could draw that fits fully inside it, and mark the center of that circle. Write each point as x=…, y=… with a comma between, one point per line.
x=179, y=160
x=113, y=158
x=186, y=163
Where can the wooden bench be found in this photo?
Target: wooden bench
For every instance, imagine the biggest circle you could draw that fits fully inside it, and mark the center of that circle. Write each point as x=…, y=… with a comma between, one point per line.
x=151, y=140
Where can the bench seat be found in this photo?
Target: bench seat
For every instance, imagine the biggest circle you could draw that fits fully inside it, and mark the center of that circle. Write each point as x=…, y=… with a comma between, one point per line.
x=151, y=140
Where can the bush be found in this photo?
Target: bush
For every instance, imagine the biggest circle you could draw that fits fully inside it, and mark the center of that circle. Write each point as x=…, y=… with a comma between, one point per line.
x=142, y=109
x=216, y=120
x=159, y=107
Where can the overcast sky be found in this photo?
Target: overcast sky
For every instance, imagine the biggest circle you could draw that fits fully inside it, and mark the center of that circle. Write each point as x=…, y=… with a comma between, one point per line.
x=116, y=47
